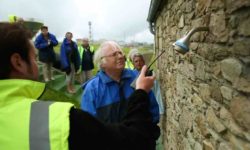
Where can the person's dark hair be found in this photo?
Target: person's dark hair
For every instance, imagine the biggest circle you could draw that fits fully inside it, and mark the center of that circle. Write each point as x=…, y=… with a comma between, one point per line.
x=68, y=33
x=44, y=27
x=14, y=38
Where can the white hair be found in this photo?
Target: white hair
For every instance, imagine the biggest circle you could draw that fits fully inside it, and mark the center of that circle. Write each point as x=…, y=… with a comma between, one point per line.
x=85, y=39
x=98, y=57
x=131, y=53
x=135, y=53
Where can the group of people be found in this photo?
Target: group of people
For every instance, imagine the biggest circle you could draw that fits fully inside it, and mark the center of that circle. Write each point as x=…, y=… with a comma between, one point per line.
x=113, y=114
x=73, y=58
x=105, y=95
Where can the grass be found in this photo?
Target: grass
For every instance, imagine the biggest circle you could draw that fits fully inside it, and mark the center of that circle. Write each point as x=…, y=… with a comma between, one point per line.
x=52, y=95
x=57, y=48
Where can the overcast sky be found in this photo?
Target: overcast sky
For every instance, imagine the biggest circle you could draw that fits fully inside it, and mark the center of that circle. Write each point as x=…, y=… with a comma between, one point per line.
x=111, y=19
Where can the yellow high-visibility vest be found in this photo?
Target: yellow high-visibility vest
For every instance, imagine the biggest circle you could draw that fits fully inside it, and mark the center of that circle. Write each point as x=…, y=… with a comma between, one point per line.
x=29, y=124
x=12, y=18
x=129, y=64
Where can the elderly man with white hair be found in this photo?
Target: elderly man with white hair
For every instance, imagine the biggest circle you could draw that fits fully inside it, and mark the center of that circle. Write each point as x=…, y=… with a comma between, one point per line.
x=105, y=95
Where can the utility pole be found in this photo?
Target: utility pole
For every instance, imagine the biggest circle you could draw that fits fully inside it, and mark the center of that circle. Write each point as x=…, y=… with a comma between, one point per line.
x=90, y=31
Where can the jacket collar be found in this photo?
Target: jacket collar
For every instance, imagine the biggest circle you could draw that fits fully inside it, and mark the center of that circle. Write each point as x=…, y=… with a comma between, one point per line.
x=106, y=79
x=66, y=42
x=19, y=88
x=43, y=36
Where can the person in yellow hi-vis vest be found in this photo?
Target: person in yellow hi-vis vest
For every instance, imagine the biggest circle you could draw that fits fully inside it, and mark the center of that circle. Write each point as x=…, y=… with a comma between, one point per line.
x=12, y=18
x=27, y=123
x=86, y=52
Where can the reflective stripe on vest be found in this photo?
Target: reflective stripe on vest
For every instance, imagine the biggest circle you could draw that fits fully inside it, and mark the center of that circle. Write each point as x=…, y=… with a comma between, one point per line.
x=39, y=125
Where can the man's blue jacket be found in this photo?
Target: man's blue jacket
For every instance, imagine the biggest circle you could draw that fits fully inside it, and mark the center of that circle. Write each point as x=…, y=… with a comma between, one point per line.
x=46, y=52
x=69, y=54
x=106, y=99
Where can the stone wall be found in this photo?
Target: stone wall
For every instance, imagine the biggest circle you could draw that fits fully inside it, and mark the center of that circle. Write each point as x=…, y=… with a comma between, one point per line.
x=206, y=92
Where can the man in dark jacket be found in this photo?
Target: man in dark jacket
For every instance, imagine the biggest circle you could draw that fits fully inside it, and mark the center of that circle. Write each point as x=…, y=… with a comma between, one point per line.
x=45, y=43
x=87, y=65
x=33, y=124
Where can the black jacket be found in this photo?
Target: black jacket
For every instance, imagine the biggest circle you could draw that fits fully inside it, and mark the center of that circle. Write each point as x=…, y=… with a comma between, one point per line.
x=135, y=132
x=87, y=59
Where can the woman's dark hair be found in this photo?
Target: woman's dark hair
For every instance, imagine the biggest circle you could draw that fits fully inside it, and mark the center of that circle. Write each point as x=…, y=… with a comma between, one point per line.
x=44, y=27
x=14, y=38
x=68, y=33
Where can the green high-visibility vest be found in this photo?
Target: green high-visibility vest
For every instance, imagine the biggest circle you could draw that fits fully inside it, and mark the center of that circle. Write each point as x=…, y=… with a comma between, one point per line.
x=29, y=124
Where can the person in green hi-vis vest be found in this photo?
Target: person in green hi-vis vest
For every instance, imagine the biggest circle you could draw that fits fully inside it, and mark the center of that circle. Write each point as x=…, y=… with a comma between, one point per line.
x=28, y=123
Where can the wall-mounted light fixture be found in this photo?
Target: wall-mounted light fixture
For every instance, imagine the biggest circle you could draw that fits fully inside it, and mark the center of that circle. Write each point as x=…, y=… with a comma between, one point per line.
x=182, y=45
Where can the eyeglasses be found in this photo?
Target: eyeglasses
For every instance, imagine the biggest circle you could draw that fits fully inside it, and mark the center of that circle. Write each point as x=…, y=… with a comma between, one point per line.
x=114, y=54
